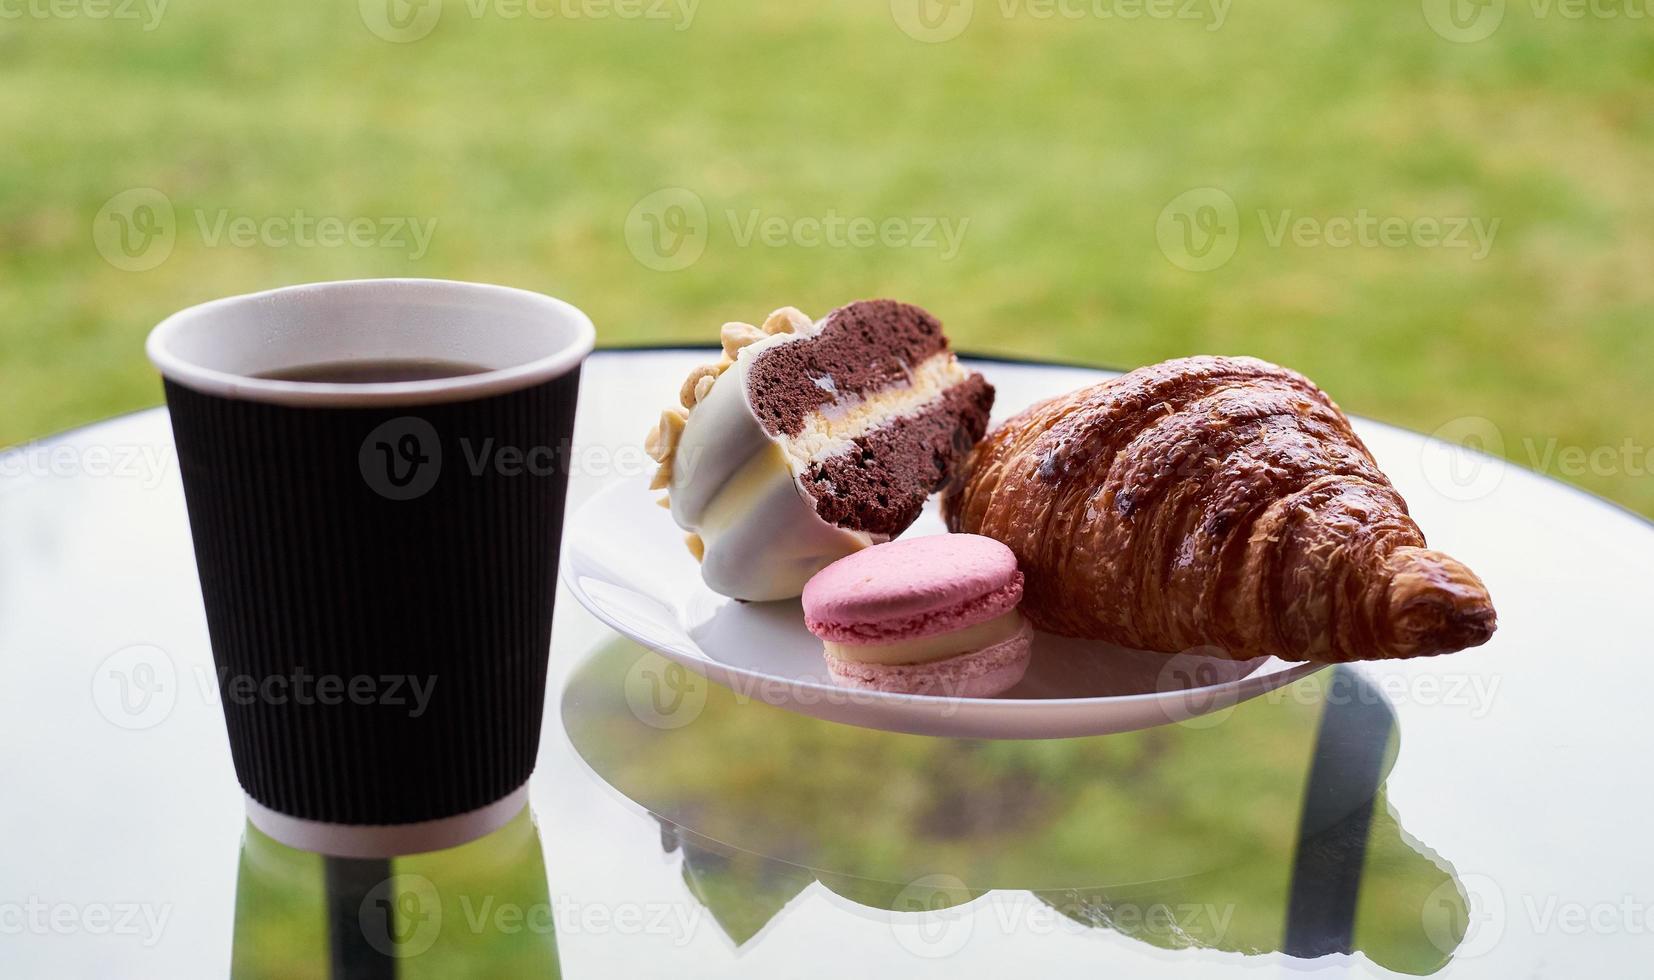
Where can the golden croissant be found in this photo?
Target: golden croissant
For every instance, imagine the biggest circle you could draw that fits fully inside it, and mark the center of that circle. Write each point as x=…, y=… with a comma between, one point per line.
x=1214, y=502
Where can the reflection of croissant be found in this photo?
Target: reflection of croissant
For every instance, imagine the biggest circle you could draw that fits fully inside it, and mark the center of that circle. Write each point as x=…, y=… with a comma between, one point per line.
x=1214, y=502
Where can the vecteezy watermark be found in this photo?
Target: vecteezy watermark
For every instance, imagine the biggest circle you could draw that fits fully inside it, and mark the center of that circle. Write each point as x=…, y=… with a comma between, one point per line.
x=669, y=229
x=34, y=916
x=136, y=230
x=135, y=687
x=1175, y=925
x=663, y=693
x=1469, y=21
x=1463, y=21
x=1200, y=229
x=1367, y=230
x=563, y=916
x=1197, y=689
x=408, y=693
x=1465, y=917
x=594, y=460
x=935, y=21
x=146, y=13
x=403, y=459
x=936, y=916
x=1625, y=914
x=930, y=919
x=1469, y=916
x=1467, y=458
x=833, y=230
x=1476, y=694
x=142, y=464
x=406, y=21
x=1463, y=459
x=1593, y=9
x=813, y=690
x=403, y=916
x=1624, y=458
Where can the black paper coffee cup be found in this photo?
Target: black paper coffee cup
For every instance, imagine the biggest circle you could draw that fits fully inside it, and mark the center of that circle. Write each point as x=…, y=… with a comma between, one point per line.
x=377, y=560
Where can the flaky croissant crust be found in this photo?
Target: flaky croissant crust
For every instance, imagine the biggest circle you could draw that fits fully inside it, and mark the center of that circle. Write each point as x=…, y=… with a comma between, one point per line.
x=1214, y=502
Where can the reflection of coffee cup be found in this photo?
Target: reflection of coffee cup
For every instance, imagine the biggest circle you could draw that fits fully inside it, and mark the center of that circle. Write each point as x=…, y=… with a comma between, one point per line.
x=375, y=473
x=483, y=909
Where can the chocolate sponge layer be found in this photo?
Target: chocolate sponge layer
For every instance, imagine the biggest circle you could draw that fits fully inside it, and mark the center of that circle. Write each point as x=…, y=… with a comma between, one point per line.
x=880, y=485
x=862, y=348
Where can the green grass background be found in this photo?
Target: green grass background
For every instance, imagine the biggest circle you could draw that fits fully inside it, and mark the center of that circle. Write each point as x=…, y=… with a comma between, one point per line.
x=529, y=141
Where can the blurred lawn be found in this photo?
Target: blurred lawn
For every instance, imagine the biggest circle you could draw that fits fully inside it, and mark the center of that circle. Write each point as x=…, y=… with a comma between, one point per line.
x=529, y=141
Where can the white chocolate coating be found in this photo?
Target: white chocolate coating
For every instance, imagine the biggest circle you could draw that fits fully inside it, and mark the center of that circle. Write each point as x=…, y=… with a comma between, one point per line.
x=733, y=485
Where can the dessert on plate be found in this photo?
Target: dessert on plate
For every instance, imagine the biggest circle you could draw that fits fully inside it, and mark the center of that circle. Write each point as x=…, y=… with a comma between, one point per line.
x=930, y=615
x=810, y=440
x=1214, y=502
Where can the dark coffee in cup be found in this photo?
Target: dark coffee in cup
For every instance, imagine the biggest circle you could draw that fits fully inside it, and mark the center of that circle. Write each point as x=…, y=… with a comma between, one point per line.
x=379, y=597
x=383, y=371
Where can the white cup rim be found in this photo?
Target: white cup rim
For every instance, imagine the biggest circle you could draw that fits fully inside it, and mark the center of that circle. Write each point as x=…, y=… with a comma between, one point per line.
x=227, y=384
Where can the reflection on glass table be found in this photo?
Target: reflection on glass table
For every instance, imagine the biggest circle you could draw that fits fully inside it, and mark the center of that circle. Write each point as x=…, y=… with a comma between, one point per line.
x=1261, y=828
x=483, y=909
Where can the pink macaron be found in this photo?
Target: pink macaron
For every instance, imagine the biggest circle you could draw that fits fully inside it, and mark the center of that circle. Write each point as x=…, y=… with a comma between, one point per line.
x=931, y=615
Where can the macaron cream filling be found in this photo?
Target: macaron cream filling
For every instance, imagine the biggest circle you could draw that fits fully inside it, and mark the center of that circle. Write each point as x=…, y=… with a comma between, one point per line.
x=928, y=649
x=905, y=616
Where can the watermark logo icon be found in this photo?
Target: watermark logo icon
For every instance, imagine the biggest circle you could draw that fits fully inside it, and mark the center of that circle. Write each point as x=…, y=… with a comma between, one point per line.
x=1465, y=918
x=667, y=230
x=135, y=230
x=1462, y=460
x=401, y=458
x=401, y=916
x=400, y=21
x=931, y=922
x=1199, y=229
x=663, y=693
x=932, y=21
x=135, y=687
x=1195, y=678
x=1464, y=21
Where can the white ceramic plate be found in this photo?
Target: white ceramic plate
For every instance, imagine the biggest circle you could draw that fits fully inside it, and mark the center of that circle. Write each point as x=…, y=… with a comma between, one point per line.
x=626, y=562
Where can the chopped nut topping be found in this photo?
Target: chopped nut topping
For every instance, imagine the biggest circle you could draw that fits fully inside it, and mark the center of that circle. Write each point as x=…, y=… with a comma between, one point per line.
x=736, y=335
x=663, y=438
x=686, y=394
x=788, y=319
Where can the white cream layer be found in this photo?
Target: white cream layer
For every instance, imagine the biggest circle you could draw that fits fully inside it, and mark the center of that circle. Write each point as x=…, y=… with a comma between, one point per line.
x=830, y=431
x=928, y=649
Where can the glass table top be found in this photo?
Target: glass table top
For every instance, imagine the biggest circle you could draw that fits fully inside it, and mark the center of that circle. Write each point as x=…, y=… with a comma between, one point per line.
x=1480, y=815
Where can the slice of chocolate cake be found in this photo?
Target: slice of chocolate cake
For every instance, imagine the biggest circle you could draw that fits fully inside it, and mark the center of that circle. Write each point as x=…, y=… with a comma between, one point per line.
x=809, y=441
